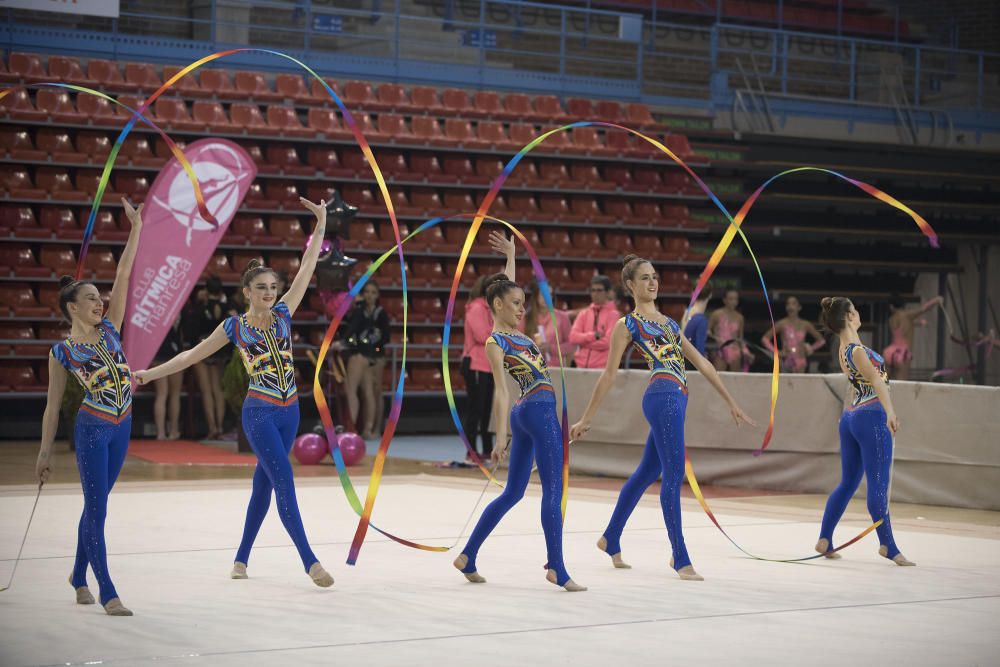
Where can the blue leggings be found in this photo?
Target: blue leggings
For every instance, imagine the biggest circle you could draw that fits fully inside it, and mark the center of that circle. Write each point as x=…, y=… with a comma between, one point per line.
x=663, y=404
x=271, y=431
x=865, y=448
x=536, y=436
x=100, y=452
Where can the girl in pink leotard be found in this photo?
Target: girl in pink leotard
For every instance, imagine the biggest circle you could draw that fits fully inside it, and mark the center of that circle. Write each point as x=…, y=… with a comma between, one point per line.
x=901, y=322
x=793, y=330
x=725, y=326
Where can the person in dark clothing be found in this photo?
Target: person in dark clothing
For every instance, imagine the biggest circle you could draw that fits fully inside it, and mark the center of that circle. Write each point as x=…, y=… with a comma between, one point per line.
x=367, y=334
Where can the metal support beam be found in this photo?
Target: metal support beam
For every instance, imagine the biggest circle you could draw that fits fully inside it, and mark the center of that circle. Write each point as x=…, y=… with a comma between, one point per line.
x=984, y=323
x=942, y=332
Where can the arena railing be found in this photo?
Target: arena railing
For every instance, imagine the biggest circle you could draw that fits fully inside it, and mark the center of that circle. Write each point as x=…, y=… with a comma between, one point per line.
x=531, y=46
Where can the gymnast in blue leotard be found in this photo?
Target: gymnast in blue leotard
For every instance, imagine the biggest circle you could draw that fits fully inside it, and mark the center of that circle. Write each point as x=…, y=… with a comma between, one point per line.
x=270, y=418
x=93, y=356
x=660, y=342
x=867, y=429
x=536, y=435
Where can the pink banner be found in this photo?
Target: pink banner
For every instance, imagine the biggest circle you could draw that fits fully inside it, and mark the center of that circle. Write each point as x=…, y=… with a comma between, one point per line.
x=177, y=243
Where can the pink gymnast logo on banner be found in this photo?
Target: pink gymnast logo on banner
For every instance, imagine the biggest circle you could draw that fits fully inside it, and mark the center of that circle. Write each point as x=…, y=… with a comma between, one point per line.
x=177, y=243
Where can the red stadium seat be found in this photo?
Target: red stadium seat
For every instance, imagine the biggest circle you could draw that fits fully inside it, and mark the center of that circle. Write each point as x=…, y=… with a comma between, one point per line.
x=28, y=67
x=108, y=76
x=56, y=143
x=143, y=76
x=60, y=260
x=138, y=151
x=580, y=109
x=427, y=130
x=362, y=234
x=96, y=145
x=319, y=94
x=638, y=115
x=425, y=200
x=608, y=111
x=678, y=247
x=485, y=104
x=68, y=70
x=618, y=243
x=16, y=182
x=516, y=106
x=17, y=105
x=649, y=242
x=679, y=145
x=557, y=241
x=172, y=112
x=459, y=168
x=16, y=144
x=589, y=243
x=429, y=271
x=392, y=127
x=325, y=159
x=56, y=181
x=254, y=86
x=617, y=173
x=617, y=142
x=456, y=102
x=676, y=215
x=292, y=87
x=247, y=117
x=20, y=259
x=218, y=265
x=21, y=221
x=283, y=192
x=680, y=183
x=187, y=85
x=19, y=300
x=458, y=130
x=60, y=221
x=286, y=158
x=20, y=377
x=646, y=178
x=547, y=108
x=555, y=143
x=424, y=99
x=131, y=184
x=392, y=163
x=288, y=231
x=105, y=227
x=646, y=212
x=489, y=134
x=285, y=120
x=425, y=166
x=326, y=122
x=13, y=216
x=358, y=95
x=554, y=206
x=585, y=175
x=58, y=105
x=287, y=262
x=212, y=117
x=390, y=97
x=524, y=204
x=358, y=195
x=218, y=82
x=584, y=141
x=97, y=109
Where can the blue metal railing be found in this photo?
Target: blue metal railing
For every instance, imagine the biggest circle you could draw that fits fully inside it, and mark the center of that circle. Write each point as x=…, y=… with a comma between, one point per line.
x=568, y=50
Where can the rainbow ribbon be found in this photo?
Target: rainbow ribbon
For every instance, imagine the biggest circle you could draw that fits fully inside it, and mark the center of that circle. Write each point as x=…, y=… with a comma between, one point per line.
x=109, y=164
x=343, y=306
x=480, y=216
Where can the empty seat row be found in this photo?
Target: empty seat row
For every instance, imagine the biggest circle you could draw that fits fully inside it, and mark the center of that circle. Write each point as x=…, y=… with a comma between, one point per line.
x=21, y=261
x=23, y=377
x=57, y=183
x=360, y=95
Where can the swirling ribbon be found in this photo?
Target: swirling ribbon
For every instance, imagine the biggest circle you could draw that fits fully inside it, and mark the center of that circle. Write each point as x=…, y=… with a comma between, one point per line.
x=477, y=220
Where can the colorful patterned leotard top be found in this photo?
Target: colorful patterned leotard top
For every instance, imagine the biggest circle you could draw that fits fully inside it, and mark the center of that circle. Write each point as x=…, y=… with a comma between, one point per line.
x=102, y=371
x=267, y=355
x=660, y=345
x=864, y=392
x=524, y=361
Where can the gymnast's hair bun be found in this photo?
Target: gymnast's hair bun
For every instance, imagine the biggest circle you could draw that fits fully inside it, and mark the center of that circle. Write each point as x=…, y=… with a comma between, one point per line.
x=66, y=281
